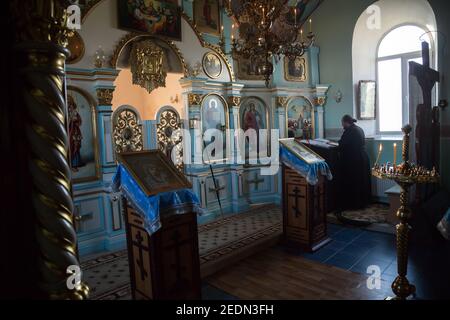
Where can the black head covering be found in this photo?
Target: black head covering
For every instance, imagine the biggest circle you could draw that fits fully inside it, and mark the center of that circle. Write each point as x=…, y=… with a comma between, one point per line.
x=349, y=119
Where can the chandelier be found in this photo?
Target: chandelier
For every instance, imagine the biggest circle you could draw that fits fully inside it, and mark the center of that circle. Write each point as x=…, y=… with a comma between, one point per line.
x=268, y=29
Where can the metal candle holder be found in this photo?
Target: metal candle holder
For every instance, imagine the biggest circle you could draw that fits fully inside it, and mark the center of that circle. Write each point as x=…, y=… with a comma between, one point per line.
x=405, y=175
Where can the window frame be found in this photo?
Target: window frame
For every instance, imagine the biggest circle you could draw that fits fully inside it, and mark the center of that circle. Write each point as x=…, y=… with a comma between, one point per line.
x=404, y=57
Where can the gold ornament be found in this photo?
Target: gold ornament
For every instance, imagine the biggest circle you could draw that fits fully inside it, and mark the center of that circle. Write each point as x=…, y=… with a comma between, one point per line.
x=147, y=65
x=195, y=99
x=105, y=96
x=127, y=133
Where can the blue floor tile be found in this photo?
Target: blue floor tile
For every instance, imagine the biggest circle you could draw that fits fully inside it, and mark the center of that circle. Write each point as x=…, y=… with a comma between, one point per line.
x=347, y=235
x=355, y=249
x=336, y=245
x=343, y=260
x=362, y=265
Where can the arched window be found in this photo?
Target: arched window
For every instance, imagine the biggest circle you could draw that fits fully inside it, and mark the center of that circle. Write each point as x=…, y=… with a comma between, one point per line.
x=396, y=49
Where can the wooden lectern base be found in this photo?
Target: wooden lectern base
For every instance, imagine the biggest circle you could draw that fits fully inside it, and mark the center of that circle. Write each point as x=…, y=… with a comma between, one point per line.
x=165, y=265
x=304, y=212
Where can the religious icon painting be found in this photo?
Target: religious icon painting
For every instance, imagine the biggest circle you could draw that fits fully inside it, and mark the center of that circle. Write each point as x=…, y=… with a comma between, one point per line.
x=159, y=18
x=295, y=69
x=212, y=65
x=214, y=125
x=300, y=118
x=301, y=151
x=248, y=69
x=207, y=16
x=153, y=172
x=254, y=115
x=84, y=155
x=367, y=100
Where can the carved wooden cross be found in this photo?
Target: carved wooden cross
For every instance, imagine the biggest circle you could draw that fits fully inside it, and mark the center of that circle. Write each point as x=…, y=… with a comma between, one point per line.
x=256, y=181
x=140, y=261
x=297, y=196
x=427, y=79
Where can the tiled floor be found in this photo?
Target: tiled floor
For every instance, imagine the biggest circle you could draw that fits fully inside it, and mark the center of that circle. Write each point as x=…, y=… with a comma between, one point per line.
x=355, y=250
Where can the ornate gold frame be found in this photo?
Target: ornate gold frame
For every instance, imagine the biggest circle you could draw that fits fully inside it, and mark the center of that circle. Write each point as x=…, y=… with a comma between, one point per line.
x=303, y=78
x=313, y=122
x=227, y=119
x=92, y=105
x=204, y=68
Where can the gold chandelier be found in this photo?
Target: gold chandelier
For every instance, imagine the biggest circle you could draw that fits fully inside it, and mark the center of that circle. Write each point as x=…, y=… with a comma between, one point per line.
x=268, y=29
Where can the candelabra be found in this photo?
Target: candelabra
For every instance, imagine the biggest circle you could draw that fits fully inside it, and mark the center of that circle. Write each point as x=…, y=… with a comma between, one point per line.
x=269, y=29
x=405, y=175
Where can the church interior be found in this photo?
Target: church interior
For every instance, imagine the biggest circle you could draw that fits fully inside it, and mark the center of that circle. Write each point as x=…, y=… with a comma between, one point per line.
x=226, y=150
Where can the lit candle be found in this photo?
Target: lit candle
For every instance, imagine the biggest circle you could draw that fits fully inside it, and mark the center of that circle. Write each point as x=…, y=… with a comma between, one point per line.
x=295, y=15
x=379, y=154
x=395, y=155
x=301, y=35
x=310, y=25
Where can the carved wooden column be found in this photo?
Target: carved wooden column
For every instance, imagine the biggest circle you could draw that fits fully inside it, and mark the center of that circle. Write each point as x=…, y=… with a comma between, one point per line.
x=41, y=40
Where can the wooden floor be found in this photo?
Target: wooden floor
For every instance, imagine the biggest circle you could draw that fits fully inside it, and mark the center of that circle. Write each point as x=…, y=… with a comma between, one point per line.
x=276, y=274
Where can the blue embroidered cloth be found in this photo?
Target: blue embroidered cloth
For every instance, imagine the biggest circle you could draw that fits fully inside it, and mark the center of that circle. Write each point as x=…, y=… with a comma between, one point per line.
x=444, y=226
x=309, y=171
x=149, y=207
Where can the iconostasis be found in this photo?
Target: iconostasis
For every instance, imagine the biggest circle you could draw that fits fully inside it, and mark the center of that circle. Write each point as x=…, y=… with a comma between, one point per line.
x=136, y=76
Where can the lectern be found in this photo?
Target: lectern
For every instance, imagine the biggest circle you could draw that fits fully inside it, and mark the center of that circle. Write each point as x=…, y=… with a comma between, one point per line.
x=304, y=196
x=161, y=224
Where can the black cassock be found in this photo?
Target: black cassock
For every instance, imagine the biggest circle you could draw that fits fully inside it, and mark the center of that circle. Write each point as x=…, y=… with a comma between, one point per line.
x=354, y=170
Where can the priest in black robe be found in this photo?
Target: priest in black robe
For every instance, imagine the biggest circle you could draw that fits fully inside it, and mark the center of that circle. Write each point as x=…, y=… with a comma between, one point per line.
x=354, y=167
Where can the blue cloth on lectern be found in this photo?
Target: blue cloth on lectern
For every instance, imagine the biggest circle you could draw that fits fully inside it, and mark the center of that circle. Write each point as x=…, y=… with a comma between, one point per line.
x=149, y=207
x=310, y=172
x=444, y=225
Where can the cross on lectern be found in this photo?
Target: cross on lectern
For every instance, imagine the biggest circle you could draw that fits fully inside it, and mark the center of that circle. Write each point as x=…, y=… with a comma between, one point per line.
x=297, y=196
x=427, y=79
x=140, y=261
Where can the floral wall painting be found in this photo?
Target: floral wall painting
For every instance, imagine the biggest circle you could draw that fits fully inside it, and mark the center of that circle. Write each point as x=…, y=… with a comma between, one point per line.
x=84, y=159
x=159, y=18
x=300, y=118
x=207, y=16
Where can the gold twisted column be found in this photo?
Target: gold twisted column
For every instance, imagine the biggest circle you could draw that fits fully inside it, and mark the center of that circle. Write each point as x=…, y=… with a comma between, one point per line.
x=42, y=37
x=401, y=286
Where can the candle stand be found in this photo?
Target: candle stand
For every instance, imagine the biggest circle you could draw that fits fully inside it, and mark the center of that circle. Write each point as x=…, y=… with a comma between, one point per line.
x=405, y=175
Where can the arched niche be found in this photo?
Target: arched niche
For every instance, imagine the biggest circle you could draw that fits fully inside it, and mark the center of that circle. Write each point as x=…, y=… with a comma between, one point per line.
x=367, y=37
x=148, y=103
x=127, y=130
x=214, y=116
x=255, y=114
